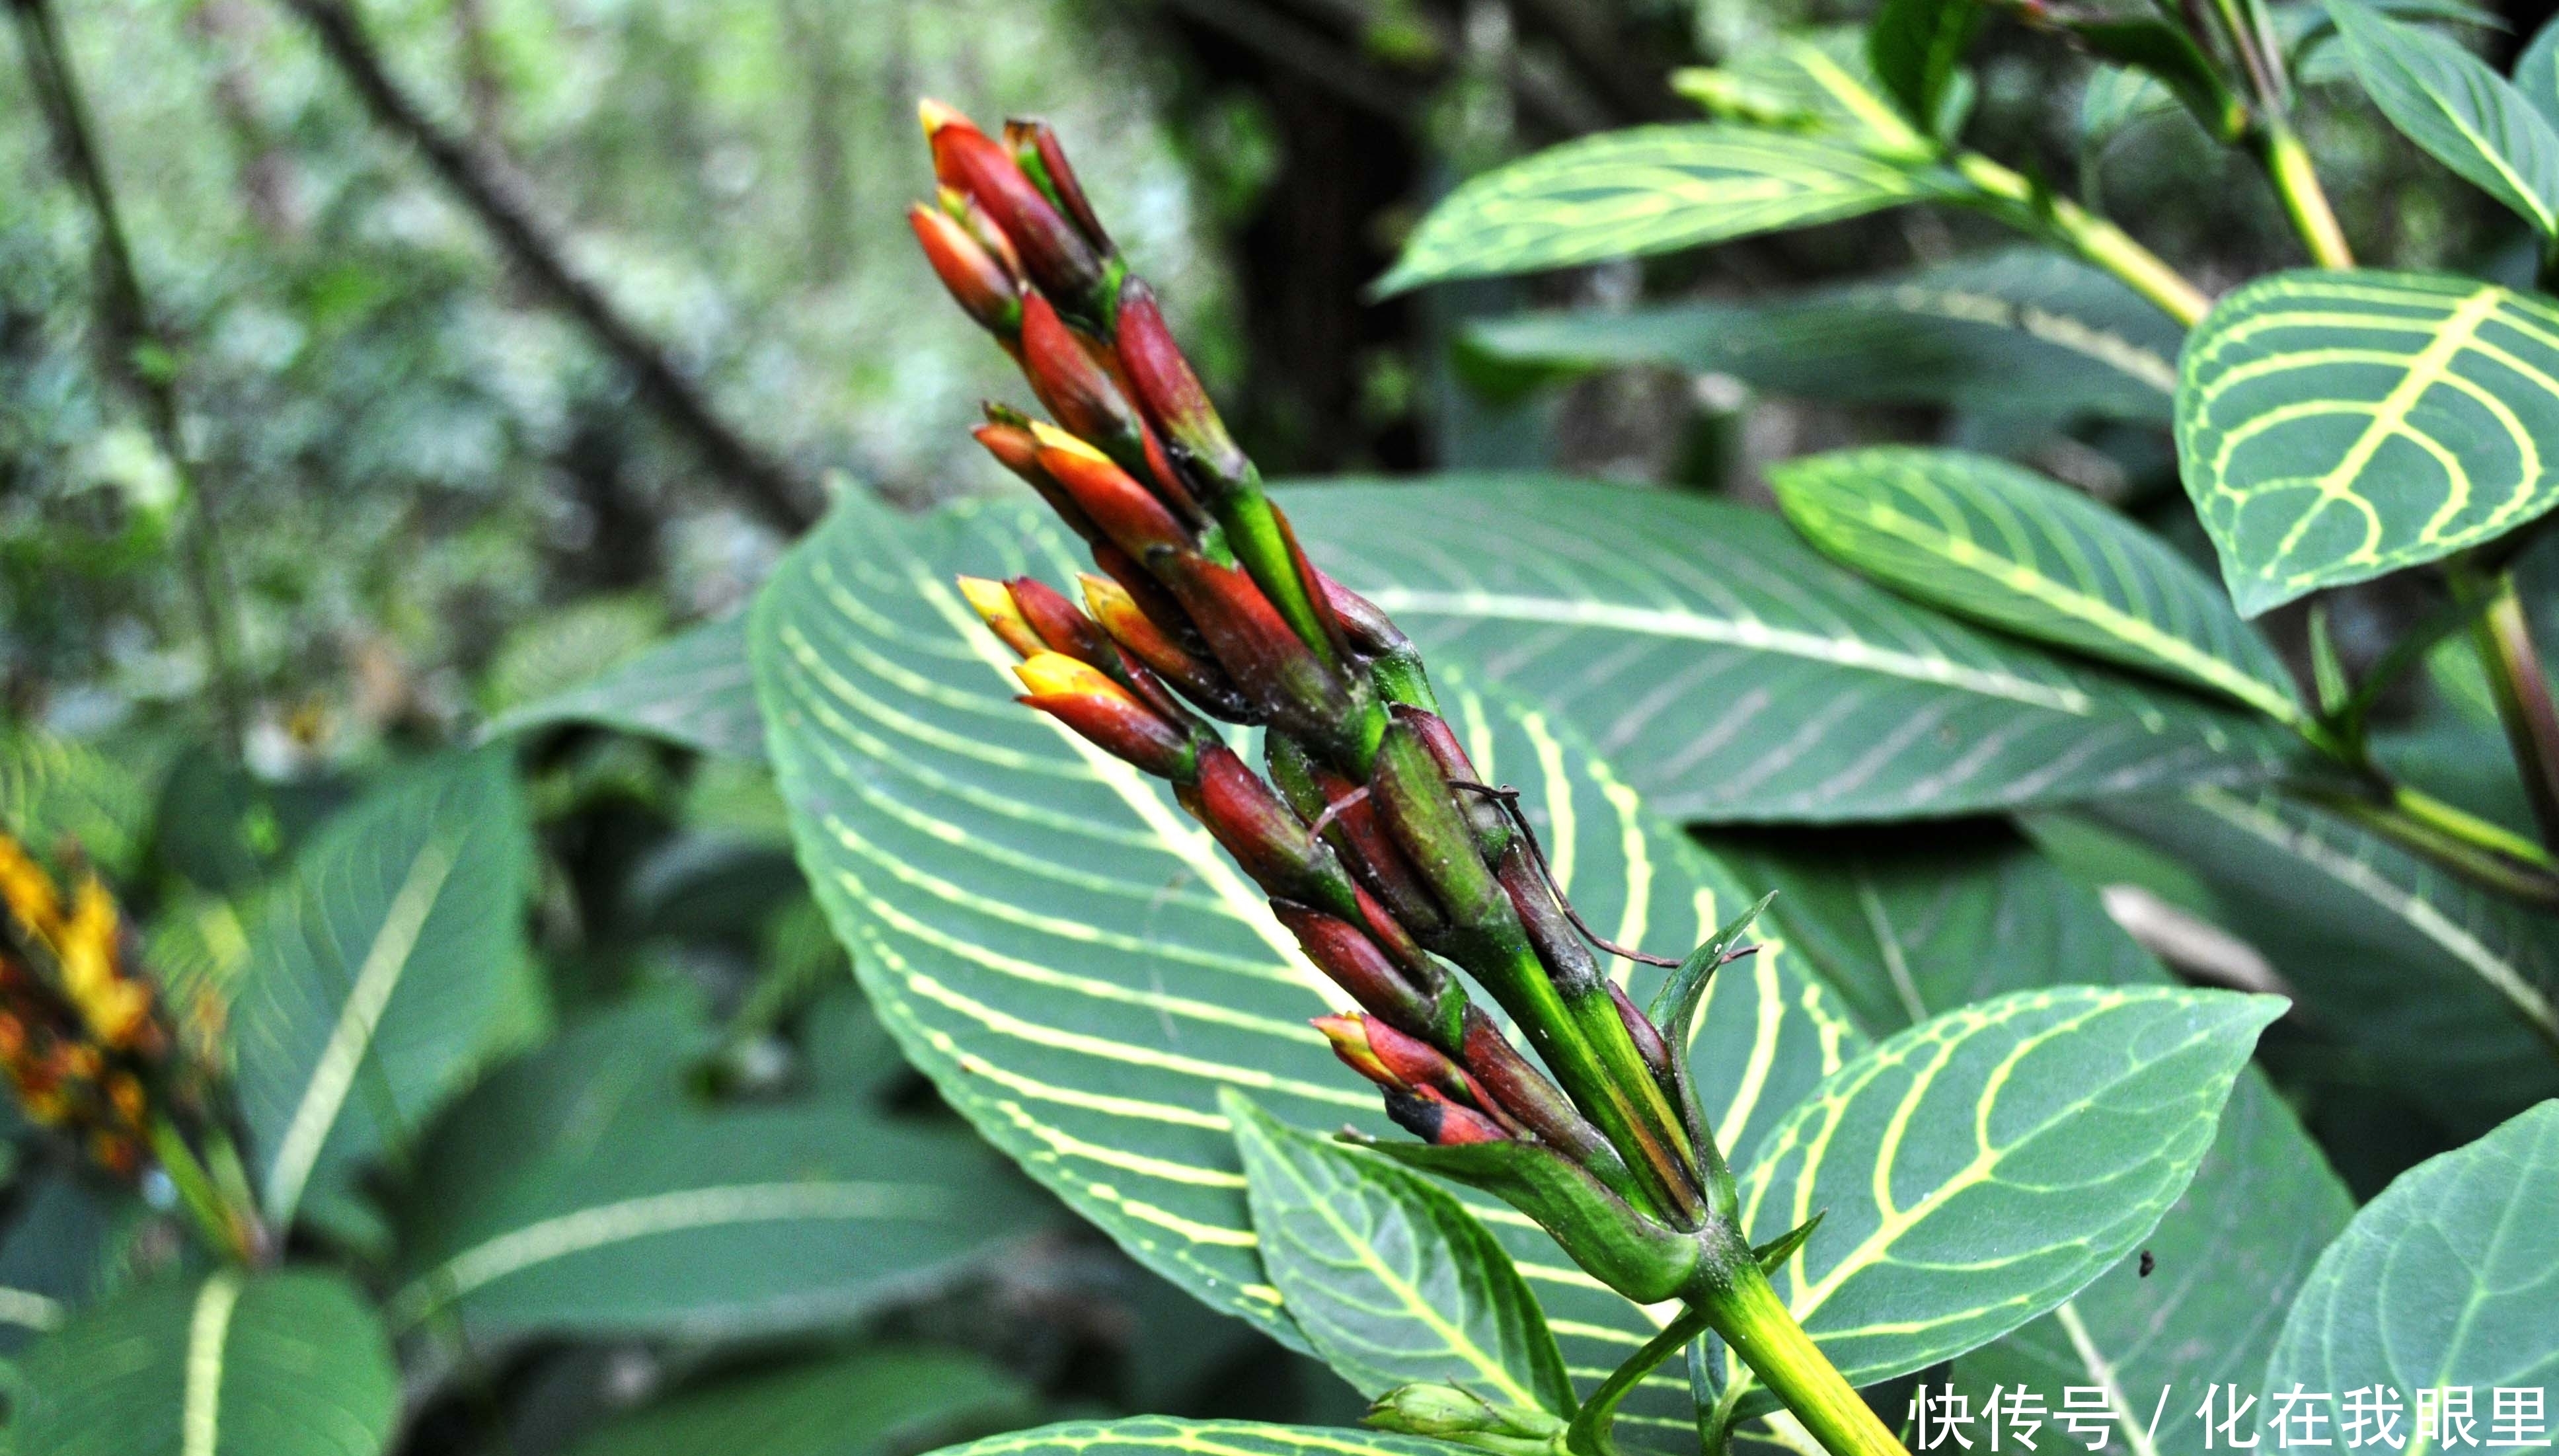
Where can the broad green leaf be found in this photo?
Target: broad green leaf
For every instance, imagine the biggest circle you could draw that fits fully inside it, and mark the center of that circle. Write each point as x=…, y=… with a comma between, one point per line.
x=1960, y=334
x=2447, y=987
x=1984, y=1166
x=1387, y=1274
x=285, y=1363
x=2335, y=426
x=877, y=1402
x=2536, y=72
x=2007, y=548
x=1737, y=675
x=380, y=973
x=1916, y=48
x=2467, y=116
x=556, y=652
x=694, y=689
x=1817, y=82
x=2154, y=48
x=1650, y=190
x=2448, y=1279
x=1080, y=970
x=1164, y=1435
x=588, y=1190
x=55, y=790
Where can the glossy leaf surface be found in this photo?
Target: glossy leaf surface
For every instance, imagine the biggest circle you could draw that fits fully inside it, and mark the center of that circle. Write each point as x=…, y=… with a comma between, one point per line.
x=2335, y=426
x=2467, y=116
x=1736, y=675
x=1387, y=1274
x=2447, y=1280
x=877, y=1402
x=694, y=688
x=2011, y=549
x=284, y=1364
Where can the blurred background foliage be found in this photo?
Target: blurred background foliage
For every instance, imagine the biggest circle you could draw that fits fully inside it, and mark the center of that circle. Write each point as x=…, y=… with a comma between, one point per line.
x=501, y=339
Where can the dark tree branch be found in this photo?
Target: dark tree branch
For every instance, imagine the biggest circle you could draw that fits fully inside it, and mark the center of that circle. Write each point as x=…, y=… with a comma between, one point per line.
x=132, y=352
x=763, y=483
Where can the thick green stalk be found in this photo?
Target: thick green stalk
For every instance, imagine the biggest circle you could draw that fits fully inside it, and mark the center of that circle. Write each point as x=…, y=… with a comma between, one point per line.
x=1593, y=1431
x=1745, y=1309
x=2502, y=636
x=2477, y=851
x=2287, y=167
x=2092, y=238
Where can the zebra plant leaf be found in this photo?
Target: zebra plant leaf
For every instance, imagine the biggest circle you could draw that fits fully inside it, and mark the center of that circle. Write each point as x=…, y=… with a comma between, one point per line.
x=2447, y=1280
x=2467, y=116
x=876, y=1402
x=1650, y=190
x=1948, y=917
x=2007, y=548
x=2335, y=426
x=1984, y=1166
x=1163, y=1435
x=387, y=965
x=2536, y=73
x=1388, y=1275
x=284, y=1364
x=1960, y=334
x=694, y=689
x=1918, y=46
x=587, y=1190
x=1736, y=675
x=1081, y=971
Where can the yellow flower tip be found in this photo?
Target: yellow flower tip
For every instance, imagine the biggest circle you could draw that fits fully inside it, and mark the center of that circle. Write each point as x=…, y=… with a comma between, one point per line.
x=936, y=115
x=1050, y=437
x=32, y=899
x=1104, y=595
x=1055, y=674
x=992, y=600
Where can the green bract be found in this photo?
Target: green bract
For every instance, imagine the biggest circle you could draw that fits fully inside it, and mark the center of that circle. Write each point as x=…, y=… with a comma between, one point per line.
x=2335, y=426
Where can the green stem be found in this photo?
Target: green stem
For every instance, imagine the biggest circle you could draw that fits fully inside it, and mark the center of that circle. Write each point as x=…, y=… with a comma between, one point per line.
x=226, y=1228
x=2502, y=636
x=1745, y=1310
x=2092, y=238
x=2472, y=848
x=1592, y=1432
x=2287, y=167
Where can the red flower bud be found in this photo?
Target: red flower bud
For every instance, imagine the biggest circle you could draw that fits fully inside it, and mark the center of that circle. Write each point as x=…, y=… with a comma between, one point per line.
x=993, y=604
x=1243, y=813
x=1036, y=149
x=1125, y=511
x=963, y=209
x=1349, y=1036
x=1171, y=396
x=1017, y=449
x=1130, y=625
x=1062, y=626
x=1076, y=379
x=1354, y=962
x=1431, y=1117
x=1107, y=716
x=984, y=291
x=1421, y=1066
x=1264, y=657
x=1053, y=251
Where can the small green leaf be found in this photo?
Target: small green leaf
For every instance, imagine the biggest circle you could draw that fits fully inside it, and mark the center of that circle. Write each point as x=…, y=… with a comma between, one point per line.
x=877, y=1402
x=694, y=689
x=1774, y=1254
x=1817, y=82
x=587, y=1190
x=2149, y=46
x=1675, y=1004
x=1387, y=1275
x=2536, y=72
x=1982, y=1167
x=383, y=972
x=2007, y=548
x=2335, y=426
x=286, y=1364
x=1959, y=334
x=1918, y=46
x=2448, y=1279
x=1650, y=190
x=2448, y=101
x=1163, y=1435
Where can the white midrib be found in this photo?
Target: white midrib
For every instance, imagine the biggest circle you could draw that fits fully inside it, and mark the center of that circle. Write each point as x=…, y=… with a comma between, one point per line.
x=333, y=1074
x=2136, y=1434
x=200, y=1407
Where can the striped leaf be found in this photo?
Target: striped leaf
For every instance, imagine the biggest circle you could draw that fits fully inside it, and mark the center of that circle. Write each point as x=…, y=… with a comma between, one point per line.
x=1959, y=334
x=1387, y=1274
x=2448, y=101
x=1819, y=80
x=875, y=1402
x=588, y=1190
x=284, y=1364
x=1737, y=675
x=385, y=969
x=1984, y=1166
x=2002, y=546
x=55, y=789
x=1160, y=1435
x=2335, y=426
x=1941, y=919
x=2446, y=1281
x=1650, y=190
x=1917, y=50
x=2536, y=72
x=2450, y=990
x=694, y=689
x=1080, y=970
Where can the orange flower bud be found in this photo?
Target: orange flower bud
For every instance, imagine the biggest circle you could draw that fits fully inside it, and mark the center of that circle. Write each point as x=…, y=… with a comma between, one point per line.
x=1170, y=394
x=1053, y=250
x=1107, y=716
x=1037, y=150
x=1017, y=449
x=993, y=604
x=1076, y=379
x=1428, y=1115
x=977, y=280
x=1349, y=1038
x=1125, y=511
x=963, y=209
